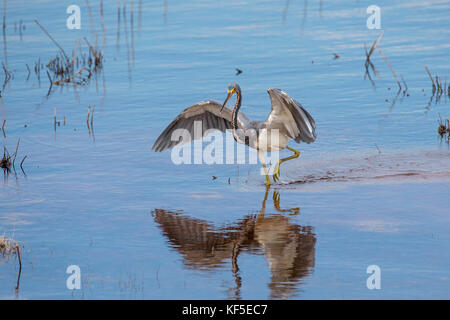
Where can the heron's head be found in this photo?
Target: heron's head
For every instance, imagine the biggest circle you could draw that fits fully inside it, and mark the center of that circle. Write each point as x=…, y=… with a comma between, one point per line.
x=232, y=89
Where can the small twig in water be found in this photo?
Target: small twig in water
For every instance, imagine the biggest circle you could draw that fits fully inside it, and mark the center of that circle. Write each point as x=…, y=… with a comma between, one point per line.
x=369, y=54
x=431, y=78
x=92, y=122
x=51, y=38
x=15, y=154
x=87, y=120
x=29, y=72
x=379, y=151
x=20, y=267
x=3, y=128
x=406, y=86
x=11, y=247
x=392, y=70
x=21, y=163
x=51, y=84
x=92, y=116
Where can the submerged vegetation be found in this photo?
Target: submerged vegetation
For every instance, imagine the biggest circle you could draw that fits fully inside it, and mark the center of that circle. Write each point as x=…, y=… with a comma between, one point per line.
x=444, y=128
x=10, y=247
x=8, y=161
x=439, y=87
x=76, y=70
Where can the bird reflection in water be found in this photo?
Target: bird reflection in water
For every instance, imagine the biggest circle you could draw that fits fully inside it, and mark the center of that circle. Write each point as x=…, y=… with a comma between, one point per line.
x=289, y=248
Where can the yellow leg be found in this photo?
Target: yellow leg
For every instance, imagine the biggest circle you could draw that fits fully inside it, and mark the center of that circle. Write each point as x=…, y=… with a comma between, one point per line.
x=263, y=208
x=276, y=175
x=261, y=158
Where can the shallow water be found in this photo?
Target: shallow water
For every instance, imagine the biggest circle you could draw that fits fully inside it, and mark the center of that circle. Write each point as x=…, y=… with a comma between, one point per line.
x=372, y=190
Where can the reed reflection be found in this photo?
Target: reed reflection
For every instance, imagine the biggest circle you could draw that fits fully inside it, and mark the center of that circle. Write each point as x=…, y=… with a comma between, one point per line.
x=288, y=248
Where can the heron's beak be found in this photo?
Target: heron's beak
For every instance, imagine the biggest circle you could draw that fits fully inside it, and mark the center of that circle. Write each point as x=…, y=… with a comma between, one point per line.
x=230, y=94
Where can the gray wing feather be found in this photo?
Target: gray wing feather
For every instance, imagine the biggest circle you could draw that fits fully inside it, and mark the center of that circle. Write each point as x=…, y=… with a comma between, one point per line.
x=289, y=116
x=208, y=112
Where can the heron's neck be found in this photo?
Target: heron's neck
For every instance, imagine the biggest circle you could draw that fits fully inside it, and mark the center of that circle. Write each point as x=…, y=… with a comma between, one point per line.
x=239, y=135
x=237, y=106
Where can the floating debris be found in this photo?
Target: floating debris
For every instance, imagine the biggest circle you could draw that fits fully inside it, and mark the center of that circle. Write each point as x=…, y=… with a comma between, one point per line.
x=444, y=128
x=8, y=161
x=9, y=247
x=5, y=162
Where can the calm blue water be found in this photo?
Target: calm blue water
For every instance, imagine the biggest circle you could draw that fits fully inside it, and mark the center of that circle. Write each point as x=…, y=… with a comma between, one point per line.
x=372, y=190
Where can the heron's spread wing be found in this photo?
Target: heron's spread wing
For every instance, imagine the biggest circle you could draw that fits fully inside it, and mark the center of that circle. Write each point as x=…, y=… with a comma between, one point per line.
x=196, y=240
x=206, y=113
x=290, y=117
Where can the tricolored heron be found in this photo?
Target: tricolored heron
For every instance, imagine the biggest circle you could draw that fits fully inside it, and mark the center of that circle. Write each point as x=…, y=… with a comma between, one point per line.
x=287, y=120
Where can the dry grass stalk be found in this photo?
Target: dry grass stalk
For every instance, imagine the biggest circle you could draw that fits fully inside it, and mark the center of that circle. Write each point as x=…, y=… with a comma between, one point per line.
x=431, y=78
x=369, y=54
x=92, y=116
x=51, y=38
x=76, y=78
x=438, y=88
x=3, y=128
x=87, y=120
x=392, y=70
x=8, y=246
x=90, y=121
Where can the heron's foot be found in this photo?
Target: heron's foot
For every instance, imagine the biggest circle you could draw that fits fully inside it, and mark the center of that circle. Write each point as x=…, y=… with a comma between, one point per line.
x=276, y=170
